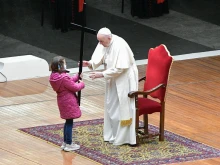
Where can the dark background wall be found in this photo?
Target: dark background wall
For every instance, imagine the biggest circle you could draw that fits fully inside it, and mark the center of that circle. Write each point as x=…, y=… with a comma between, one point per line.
x=207, y=10
x=20, y=20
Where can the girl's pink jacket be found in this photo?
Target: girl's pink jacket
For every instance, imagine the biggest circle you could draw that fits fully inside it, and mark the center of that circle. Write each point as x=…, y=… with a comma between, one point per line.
x=66, y=88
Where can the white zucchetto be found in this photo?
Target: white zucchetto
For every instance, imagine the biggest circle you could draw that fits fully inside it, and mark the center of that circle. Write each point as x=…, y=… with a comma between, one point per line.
x=104, y=31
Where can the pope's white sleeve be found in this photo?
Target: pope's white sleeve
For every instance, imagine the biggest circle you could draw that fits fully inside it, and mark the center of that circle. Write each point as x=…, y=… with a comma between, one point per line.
x=94, y=65
x=90, y=65
x=113, y=72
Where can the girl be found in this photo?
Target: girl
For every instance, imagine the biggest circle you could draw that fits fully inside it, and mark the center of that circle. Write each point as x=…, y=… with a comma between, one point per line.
x=66, y=88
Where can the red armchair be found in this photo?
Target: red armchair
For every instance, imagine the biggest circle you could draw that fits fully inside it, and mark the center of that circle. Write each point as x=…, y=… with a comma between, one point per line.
x=152, y=98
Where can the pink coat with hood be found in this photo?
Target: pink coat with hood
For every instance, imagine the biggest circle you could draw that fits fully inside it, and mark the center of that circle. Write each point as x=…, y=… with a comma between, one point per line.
x=66, y=88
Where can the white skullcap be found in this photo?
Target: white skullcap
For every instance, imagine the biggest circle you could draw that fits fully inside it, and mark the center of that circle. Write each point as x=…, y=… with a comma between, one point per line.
x=104, y=31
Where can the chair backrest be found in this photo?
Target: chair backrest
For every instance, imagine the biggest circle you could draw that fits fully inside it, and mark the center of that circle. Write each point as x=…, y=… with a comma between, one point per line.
x=157, y=70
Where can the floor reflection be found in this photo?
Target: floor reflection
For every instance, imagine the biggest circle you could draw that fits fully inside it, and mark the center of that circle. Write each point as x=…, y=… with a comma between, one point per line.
x=67, y=157
x=24, y=87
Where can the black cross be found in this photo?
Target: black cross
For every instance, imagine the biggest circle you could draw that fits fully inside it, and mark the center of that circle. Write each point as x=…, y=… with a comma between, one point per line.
x=83, y=30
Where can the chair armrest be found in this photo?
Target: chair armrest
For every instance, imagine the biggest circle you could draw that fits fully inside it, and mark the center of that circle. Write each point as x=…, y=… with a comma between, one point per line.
x=145, y=93
x=141, y=79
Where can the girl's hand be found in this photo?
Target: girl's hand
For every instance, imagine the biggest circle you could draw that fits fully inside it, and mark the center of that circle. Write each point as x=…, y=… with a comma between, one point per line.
x=81, y=75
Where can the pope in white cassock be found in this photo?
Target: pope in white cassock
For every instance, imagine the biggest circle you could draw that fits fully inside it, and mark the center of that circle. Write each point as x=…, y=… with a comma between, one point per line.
x=121, y=75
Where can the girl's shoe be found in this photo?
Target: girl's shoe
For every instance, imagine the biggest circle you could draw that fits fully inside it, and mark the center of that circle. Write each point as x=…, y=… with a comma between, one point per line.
x=71, y=147
x=63, y=145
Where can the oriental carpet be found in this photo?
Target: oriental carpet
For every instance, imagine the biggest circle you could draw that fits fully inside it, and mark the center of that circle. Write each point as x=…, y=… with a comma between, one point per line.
x=88, y=134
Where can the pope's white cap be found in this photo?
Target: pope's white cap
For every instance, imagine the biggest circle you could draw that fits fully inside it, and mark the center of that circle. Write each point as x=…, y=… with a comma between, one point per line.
x=104, y=31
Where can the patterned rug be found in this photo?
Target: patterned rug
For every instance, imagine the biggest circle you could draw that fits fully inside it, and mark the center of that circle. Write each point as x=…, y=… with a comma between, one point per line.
x=88, y=134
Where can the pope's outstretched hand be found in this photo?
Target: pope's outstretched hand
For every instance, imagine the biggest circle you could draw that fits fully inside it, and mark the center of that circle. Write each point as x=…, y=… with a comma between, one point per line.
x=94, y=75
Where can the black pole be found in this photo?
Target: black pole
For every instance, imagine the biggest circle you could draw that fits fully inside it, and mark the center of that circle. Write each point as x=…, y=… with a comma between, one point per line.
x=81, y=47
x=122, y=6
x=42, y=13
x=86, y=29
x=83, y=29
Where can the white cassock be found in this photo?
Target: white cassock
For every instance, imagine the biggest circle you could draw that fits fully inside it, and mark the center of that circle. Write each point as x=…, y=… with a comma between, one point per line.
x=121, y=77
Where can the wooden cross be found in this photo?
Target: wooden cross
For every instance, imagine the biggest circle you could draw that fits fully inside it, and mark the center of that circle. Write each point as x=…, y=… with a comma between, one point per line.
x=83, y=30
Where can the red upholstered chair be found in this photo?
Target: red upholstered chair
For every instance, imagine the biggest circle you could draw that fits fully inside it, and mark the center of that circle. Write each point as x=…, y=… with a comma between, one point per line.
x=152, y=98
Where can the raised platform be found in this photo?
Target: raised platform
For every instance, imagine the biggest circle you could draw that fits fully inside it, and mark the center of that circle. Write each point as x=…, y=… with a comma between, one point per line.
x=22, y=67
